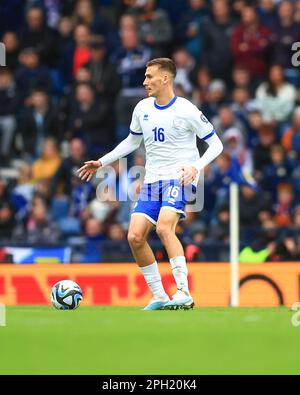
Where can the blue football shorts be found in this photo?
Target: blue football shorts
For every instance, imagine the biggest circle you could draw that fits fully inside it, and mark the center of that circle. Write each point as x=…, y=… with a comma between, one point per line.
x=163, y=194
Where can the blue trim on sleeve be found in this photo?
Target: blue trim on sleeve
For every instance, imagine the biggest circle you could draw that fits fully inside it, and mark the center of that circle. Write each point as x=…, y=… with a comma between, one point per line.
x=167, y=105
x=135, y=133
x=209, y=135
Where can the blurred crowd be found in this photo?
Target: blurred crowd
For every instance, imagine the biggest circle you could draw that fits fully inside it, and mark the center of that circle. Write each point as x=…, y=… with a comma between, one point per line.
x=74, y=72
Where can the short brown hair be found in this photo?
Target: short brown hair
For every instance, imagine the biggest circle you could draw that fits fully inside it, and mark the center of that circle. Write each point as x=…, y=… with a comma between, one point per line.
x=164, y=64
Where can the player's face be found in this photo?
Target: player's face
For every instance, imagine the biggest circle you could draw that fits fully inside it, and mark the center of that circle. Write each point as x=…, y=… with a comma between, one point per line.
x=155, y=80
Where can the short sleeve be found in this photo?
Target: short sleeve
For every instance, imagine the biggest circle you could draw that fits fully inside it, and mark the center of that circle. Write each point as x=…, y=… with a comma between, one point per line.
x=200, y=124
x=135, y=127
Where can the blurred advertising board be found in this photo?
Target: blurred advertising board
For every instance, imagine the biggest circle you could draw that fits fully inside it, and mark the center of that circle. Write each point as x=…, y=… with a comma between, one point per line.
x=35, y=255
x=269, y=284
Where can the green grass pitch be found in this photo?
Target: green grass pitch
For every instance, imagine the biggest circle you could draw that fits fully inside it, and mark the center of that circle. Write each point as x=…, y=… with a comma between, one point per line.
x=121, y=340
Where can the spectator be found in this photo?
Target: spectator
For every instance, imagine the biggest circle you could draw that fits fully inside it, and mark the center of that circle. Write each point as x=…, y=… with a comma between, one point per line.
x=219, y=227
x=185, y=65
x=38, y=35
x=276, y=246
x=267, y=13
x=83, y=75
x=288, y=250
x=23, y=191
x=226, y=120
x=276, y=172
x=285, y=33
x=190, y=28
x=37, y=228
x=128, y=22
x=103, y=73
x=130, y=59
x=266, y=214
x=12, y=49
x=93, y=237
x=217, y=32
x=37, y=122
x=284, y=205
x=88, y=120
x=262, y=149
x=31, y=75
x=296, y=182
x=197, y=235
x=44, y=168
x=238, y=6
x=235, y=146
x=216, y=97
x=264, y=247
x=65, y=31
x=251, y=203
x=8, y=109
x=250, y=44
x=291, y=137
x=296, y=218
x=81, y=196
x=219, y=180
x=4, y=192
x=254, y=124
x=116, y=232
x=241, y=79
x=255, y=119
x=268, y=235
x=276, y=97
x=154, y=27
x=67, y=101
x=7, y=220
x=297, y=11
x=241, y=104
x=66, y=175
x=77, y=54
x=201, y=79
x=105, y=206
x=180, y=91
x=85, y=13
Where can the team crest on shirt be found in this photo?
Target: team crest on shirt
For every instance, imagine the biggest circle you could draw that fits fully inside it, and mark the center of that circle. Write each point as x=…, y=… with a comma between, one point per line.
x=203, y=118
x=178, y=123
x=146, y=117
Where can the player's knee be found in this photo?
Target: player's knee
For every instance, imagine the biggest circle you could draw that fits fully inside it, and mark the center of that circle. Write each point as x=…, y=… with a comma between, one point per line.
x=163, y=231
x=135, y=239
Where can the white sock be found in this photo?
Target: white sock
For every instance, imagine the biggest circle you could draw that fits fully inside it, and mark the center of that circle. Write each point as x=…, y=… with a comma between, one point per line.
x=153, y=279
x=180, y=272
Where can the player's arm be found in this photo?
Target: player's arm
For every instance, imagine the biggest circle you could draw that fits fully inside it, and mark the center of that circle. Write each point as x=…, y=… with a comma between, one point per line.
x=205, y=131
x=128, y=145
x=215, y=147
x=189, y=173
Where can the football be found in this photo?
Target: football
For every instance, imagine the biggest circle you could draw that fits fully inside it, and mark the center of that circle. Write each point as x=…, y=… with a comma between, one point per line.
x=66, y=295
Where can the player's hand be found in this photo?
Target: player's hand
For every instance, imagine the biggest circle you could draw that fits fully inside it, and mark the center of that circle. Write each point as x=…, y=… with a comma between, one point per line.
x=85, y=173
x=187, y=174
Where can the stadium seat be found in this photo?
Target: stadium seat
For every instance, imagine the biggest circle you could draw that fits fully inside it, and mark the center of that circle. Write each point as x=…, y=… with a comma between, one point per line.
x=69, y=226
x=59, y=208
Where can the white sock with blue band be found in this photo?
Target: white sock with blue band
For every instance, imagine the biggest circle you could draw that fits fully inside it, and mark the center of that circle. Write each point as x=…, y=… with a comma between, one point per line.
x=153, y=279
x=180, y=272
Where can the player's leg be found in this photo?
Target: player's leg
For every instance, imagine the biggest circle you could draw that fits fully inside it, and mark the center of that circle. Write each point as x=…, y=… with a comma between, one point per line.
x=139, y=229
x=166, y=230
x=138, y=232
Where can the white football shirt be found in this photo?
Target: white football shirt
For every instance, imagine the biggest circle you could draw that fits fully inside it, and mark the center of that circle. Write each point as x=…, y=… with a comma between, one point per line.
x=169, y=134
